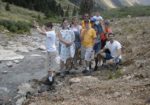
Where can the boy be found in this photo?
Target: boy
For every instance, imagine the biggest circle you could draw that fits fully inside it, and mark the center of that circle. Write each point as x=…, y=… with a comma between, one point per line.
x=52, y=54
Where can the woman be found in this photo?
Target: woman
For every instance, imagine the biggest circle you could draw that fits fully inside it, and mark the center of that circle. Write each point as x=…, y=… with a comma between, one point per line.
x=76, y=28
x=67, y=48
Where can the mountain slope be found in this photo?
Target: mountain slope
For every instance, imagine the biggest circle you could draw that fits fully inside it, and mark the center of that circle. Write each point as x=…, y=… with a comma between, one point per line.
x=17, y=13
x=120, y=3
x=106, y=4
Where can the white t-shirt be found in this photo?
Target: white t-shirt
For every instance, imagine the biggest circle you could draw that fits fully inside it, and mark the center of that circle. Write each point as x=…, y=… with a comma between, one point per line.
x=51, y=41
x=113, y=47
x=98, y=19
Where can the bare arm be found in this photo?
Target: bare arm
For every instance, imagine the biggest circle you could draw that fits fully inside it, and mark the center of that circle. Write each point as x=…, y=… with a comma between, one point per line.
x=40, y=30
x=118, y=53
x=82, y=34
x=102, y=24
x=61, y=39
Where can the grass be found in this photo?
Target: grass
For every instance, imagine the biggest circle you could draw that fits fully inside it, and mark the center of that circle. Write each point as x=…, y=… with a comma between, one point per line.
x=18, y=14
x=115, y=74
x=135, y=11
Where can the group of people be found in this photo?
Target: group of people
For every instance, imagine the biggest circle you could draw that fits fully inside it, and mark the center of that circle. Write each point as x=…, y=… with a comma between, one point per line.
x=90, y=41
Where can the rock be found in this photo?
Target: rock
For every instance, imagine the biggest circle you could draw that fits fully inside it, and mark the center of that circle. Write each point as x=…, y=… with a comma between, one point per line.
x=33, y=103
x=35, y=55
x=108, y=96
x=4, y=89
x=117, y=94
x=140, y=63
x=5, y=100
x=9, y=55
x=24, y=88
x=31, y=48
x=75, y=80
x=127, y=77
x=128, y=93
x=16, y=61
x=9, y=64
x=5, y=31
x=129, y=16
x=21, y=101
x=22, y=49
x=43, y=88
x=42, y=47
x=4, y=72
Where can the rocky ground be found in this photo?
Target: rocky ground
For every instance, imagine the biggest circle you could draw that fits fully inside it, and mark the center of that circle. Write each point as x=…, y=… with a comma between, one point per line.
x=129, y=85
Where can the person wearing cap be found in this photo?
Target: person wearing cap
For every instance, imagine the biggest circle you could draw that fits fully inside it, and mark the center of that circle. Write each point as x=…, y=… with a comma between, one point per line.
x=88, y=36
x=104, y=35
x=112, y=51
x=86, y=17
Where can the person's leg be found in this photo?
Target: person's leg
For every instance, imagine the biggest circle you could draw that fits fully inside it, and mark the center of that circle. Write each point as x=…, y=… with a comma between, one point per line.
x=51, y=75
x=75, y=59
x=97, y=49
x=88, y=57
x=101, y=58
x=96, y=63
x=83, y=51
x=52, y=66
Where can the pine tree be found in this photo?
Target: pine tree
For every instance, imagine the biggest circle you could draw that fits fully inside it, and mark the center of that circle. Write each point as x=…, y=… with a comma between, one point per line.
x=67, y=12
x=74, y=11
x=86, y=6
x=7, y=7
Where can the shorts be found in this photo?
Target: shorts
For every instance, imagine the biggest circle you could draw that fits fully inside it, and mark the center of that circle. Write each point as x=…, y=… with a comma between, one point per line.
x=108, y=56
x=99, y=28
x=97, y=47
x=87, y=53
x=53, y=61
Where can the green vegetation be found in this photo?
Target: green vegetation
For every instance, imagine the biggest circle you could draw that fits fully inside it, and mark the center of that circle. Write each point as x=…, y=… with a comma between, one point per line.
x=15, y=27
x=86, y=6
x=7, y=7
x=115, y=74
x=48, y=7
x=16, y=19
x=18, y=14
x=135, y=11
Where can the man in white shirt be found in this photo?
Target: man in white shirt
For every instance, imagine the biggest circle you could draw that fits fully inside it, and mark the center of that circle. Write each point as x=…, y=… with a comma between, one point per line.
x=112, y=51
x=53, y=62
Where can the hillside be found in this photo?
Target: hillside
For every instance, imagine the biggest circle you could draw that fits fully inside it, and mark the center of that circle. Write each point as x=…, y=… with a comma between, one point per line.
x=18, y=14
x=120, y=3
x=129, y=85
x=107, y=4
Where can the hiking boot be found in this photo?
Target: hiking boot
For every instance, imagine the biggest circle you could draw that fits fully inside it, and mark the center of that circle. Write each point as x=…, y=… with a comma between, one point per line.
x=86, y=72
x=95, y=68
x=67, y=72
x=64, y=73
x=49, y=81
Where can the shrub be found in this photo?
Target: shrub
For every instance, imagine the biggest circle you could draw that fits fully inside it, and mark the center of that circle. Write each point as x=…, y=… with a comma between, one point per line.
x=16, y=27
x=7, y=7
